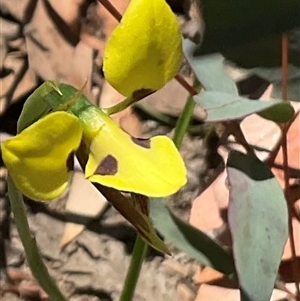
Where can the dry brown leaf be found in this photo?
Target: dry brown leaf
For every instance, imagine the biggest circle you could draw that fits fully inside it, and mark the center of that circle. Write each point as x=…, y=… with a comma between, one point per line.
x=207, y=275
x=17, y=8
x=171, y=98
x=19, y=82
x=294, y=162
x=215, y=293
x=293, y=147
x=23, y=284
x=206, y=208
x=52, y=57
x=69, y=11
x=259, y=132
x=89, y=33
x=185, y=293
x=109, y=21
x=16, y=64
x=84, y=200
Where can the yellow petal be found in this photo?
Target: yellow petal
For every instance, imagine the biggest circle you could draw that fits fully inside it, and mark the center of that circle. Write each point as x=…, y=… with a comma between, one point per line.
x=150, y=167
x=144, y=51
x=37, y=157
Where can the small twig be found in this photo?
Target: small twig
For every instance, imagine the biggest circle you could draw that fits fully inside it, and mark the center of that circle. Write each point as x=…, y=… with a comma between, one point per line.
x=181, y=80
x=294, y=173
x=113, y=11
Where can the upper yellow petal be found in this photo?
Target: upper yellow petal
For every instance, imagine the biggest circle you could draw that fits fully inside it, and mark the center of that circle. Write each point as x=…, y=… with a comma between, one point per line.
x=151, y=167
x=144, y=51
x=37, y=158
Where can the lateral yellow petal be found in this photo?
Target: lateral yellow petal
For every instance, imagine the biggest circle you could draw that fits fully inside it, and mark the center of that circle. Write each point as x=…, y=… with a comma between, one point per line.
x=37, y=158
x=151, y=167
x=144, y=51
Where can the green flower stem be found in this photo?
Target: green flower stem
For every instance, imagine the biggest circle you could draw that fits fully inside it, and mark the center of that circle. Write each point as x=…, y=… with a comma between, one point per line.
x=127, y=102
x=140, y=247
x=137, y=258
x=183, y=122
x=35, y=262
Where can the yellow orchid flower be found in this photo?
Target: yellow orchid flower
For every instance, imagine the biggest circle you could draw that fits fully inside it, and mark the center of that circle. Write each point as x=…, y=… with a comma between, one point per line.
x=38, y=158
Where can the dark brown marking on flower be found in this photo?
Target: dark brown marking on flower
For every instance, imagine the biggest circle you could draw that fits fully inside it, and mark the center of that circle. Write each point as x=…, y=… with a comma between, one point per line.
x=108, y=166
x=70, y=161
x=139, y=94
x=141, y=142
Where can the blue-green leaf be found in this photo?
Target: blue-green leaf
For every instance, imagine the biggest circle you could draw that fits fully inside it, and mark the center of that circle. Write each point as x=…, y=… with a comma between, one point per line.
x=209, y=69
x=224, y=106
x=280, y=113
x=190, y=240
x=258, y=220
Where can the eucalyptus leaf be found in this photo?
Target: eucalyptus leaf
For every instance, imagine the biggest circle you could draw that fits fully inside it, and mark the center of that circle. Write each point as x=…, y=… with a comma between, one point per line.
x=274, y=75
x=209, y=69
x=258, y=221
x=280, y=113
x=190, y=240
x=223, y=106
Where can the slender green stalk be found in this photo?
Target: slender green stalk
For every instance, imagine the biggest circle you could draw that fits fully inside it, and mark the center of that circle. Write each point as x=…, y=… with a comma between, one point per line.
x=127, y=102
x=138, y=256
x=35, y=262
x=183, y=122
x=140, y=247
